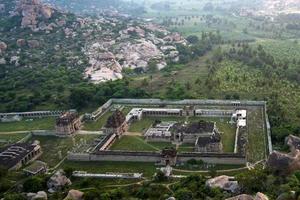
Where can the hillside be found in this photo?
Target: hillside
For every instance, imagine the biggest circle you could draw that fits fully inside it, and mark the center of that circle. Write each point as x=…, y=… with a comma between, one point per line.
x=44, y=48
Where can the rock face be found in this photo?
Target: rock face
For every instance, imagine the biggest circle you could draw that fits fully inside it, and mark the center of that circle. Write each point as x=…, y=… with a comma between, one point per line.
x=2, y=8
x=224, y=182
x=3, y=46
x=31, y=11
x=283, y=163
x=138, y=55
x=258, y=196
x=33, y=43
x=41, y=195
x=21, y=42
x=241, y=197
x=58, y=181
x=293, y=142
x=103, y=67
x=134, y=47
x=74, y=195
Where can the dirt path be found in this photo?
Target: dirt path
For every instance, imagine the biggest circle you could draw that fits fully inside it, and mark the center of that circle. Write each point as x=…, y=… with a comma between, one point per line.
x=133, y=134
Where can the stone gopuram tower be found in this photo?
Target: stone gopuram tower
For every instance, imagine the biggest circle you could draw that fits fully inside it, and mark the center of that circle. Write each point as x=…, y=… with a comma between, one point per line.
x=116, y=124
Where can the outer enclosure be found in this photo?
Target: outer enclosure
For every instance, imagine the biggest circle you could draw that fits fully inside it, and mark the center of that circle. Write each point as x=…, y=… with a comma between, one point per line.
x=257, y=113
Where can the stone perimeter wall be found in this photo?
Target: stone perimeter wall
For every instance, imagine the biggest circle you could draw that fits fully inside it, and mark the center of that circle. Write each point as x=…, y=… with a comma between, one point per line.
x=123, y=156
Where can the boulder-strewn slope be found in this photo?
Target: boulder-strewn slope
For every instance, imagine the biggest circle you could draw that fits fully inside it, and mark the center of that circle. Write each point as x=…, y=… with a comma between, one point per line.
x=37, y=35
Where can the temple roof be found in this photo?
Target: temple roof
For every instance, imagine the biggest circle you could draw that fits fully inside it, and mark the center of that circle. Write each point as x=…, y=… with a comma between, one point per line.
x=66, y=118
x=194, y=127
x=12, y=154
x=115, y=120
x=203, y=141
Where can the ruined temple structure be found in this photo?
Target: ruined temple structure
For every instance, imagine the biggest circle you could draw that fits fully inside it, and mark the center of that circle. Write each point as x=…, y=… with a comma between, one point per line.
x=116, y=124
x=169, y=156
x=204, y=135
x=13, y=157
x=68, y=123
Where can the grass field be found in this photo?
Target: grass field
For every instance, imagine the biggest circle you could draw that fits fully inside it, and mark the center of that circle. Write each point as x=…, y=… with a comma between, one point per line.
x=136, y=143
x=51, y=146
x=28, y=125
x=11, y=138
x=97, y=125
x=257, y=144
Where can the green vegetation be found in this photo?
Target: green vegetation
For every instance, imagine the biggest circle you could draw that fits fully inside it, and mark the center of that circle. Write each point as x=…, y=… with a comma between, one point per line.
x=97, y=125
x=56, y=148
x=28, y=125
x=10, y=138
x=133, y=143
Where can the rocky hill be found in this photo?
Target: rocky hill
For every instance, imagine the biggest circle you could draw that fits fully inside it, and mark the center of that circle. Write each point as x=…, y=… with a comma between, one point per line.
x=37, y=35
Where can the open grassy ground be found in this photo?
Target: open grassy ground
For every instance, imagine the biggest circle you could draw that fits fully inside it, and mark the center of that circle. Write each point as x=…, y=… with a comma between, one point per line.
x=10, y=138
x=97, y=125
x=28, y=125
x=51, y=145
x=132, y=143
x=257, y=144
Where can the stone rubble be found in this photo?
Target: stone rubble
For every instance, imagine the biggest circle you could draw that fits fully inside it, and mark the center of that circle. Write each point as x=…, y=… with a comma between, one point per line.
x=74, y=195
x=41, y=195
x=58, y=181
x=223, y=182
x=3, y=46
x=258, y=196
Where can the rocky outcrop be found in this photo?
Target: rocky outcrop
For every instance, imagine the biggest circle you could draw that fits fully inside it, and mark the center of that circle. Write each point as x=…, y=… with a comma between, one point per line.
x=223, y=182
x=58, y=181
x=286, y=163
x=74, y=195
x=103, y=66
x=2, y=8
x=293, y=142
x=138, y=55
x=31, y=11
x=261, y=196
x=33, y=43
x=241, y=197
x=21, y=42
x=41, y=195
x=258, y=196
x=3, y=46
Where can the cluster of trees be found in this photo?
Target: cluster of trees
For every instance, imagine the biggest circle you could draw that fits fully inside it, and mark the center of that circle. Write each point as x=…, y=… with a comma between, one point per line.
x=199, y=46
x=257, y=58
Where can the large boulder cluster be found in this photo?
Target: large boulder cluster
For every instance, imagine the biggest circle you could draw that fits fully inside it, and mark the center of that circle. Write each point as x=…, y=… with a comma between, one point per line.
x=223, y=182
x=134, y=47
x=286, y=163
x=258, y=196
x=3, y=46
x=31, y=11
x=58, y=181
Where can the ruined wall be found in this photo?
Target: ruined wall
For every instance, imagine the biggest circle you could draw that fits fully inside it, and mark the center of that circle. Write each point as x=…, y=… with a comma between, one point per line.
x=154, y=157
x=188, y=102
